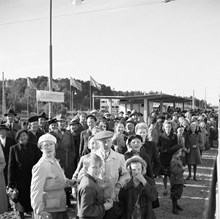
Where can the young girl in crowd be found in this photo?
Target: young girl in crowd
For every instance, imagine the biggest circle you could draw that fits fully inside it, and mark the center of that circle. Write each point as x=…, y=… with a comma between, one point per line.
x=176, y=178
x=118, y=139
x=137, y=194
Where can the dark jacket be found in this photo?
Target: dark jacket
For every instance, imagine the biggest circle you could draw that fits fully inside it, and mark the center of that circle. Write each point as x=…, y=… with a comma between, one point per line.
x=21, y=160
x=165, y=145
x=66, y=152
x=6, y=149
x=147, y=194
x=151, y=149
x=176, y=171
x=90, y=199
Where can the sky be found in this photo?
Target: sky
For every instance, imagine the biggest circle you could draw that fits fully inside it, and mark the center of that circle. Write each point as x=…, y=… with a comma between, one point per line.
x=129, y=45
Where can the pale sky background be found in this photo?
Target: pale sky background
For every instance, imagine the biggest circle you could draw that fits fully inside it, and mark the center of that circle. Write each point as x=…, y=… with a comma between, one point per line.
x=126, y=44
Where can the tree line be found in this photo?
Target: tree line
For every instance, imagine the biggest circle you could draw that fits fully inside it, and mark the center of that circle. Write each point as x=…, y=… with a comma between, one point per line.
x=17, y=93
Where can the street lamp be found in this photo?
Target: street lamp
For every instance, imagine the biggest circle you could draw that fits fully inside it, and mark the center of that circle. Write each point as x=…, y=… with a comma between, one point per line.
x=74, y=2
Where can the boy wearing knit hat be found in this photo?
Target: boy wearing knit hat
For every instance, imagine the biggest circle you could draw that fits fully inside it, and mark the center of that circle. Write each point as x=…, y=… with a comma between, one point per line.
x=137, y=194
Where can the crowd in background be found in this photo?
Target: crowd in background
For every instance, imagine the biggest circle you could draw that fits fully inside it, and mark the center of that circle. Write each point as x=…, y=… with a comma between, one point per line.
x=48, y=158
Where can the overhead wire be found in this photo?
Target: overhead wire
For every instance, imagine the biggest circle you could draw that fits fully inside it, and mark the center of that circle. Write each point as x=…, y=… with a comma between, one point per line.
x=81, y=12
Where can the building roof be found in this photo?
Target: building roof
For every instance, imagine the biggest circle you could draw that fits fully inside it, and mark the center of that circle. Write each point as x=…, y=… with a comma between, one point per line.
x=156, y=98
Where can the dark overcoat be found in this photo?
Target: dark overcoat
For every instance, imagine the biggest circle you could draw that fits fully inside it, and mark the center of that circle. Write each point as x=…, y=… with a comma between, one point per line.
x=146, y=195
x=21, y=160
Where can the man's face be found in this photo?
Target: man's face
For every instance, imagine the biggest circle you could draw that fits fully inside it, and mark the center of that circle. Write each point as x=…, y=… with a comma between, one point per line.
x=105, y=144
x=41, y=122
x=10, y=118
x=34, y=126
x=62, y=124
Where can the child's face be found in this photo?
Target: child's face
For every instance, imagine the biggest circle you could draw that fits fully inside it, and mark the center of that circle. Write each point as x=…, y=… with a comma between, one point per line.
x=180, y=131
x=120, y=128
x=93, y=146
x=178, y=153
x=94, y=169
x=136, y=168
x=130, y=127
x=136, y=144
x=142, y=132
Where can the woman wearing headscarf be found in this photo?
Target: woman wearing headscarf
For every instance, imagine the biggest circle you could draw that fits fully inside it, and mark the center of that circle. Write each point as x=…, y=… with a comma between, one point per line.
x=48, y=197
x=22, y=157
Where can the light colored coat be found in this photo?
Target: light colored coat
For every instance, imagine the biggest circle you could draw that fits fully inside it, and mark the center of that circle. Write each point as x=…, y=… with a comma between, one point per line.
x=47, y=187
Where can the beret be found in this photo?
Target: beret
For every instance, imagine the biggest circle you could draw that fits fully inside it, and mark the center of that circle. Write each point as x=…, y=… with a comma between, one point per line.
x=2, y=126
x=103, y=135
x=47, y=137
x=133, y=137
x=33, y=119
x=91, y=116
x=134, y=159
x=19, y=132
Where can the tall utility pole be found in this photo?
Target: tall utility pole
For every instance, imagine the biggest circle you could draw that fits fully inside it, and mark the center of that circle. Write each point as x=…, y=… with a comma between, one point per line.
x=51, y=60
x=3, y=96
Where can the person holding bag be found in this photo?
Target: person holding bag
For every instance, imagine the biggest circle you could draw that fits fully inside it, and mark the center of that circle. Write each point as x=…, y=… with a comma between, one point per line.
x=48, y=197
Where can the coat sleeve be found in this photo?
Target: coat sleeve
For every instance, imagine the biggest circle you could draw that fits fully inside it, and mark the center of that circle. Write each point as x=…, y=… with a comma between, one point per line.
x=123, y=172
x=39, y=175
x=150, y=189
x=156, y=160
x=12, y=168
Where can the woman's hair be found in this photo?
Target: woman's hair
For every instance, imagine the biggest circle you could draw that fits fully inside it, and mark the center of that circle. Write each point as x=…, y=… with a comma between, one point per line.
x=91, y=159
x=141, y=125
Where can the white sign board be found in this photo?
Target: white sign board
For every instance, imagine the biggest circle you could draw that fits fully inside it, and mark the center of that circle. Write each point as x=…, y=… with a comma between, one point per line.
x=50, y=96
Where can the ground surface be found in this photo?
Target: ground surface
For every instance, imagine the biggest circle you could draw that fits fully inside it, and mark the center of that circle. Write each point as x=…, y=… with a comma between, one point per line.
x=194, y=198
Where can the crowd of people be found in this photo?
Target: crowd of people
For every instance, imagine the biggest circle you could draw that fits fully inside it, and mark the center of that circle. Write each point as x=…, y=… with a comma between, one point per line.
x=107, y=163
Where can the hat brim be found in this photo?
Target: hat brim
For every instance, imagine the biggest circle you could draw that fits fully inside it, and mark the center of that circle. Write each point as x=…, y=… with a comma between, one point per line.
x=6, y=114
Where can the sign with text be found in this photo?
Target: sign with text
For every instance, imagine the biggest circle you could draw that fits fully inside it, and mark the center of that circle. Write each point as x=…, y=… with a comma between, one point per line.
x=50, y=96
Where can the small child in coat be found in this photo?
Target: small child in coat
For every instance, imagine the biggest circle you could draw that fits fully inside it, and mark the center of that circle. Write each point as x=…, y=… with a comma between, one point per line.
x=91, y=202
x=137, y=194
x=176, y=179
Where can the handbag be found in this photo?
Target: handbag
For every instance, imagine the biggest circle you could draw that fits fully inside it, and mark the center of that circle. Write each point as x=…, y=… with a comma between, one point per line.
x=12, y=194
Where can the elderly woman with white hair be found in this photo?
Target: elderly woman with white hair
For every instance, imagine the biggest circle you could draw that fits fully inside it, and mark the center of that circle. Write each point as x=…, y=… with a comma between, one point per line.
x=48, y=198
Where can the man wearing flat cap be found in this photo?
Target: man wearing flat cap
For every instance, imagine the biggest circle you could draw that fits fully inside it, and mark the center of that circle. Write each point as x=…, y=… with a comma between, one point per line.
x=11, y=124
x=114, y=171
